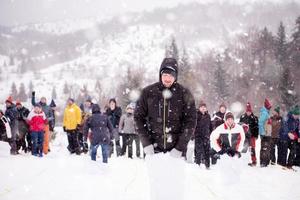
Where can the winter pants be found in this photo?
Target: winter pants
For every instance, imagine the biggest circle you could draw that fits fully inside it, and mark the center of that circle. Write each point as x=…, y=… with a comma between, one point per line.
x=117, y=141
x=105, y=152
x=252, y=149
x=202, y=151
x=46, y=139
x=265, y=150
x=128, y=141
x=274, y=145
x=73, y=146
x=37, y=138
x=297, y=159
x=283, y=150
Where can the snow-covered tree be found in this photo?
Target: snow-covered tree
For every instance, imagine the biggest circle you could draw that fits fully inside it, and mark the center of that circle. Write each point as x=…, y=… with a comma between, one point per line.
x=54, y=93
x=172, y=50
x=220, y=82
x=14, y=91
x=22, y=96
x=66, y=89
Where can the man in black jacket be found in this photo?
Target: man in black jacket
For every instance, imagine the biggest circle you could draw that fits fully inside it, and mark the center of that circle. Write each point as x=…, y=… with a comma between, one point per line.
x=251, y=121
x=165, y=114
x=202, y=135
x=22, y=114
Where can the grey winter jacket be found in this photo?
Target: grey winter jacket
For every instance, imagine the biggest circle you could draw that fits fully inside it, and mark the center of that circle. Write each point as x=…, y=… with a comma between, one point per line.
x=126, y=125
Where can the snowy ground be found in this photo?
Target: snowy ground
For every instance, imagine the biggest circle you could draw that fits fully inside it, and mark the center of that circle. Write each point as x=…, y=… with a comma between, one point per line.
x=71, y=177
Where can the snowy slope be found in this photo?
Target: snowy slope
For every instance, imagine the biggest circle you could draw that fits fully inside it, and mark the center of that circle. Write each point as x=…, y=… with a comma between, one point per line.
x=63, y=176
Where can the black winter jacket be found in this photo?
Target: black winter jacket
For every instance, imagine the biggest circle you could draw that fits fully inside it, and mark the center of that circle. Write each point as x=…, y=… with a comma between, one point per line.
x=252, y=122
x=114, y=116
x=203, y=128
x=101, y=127
x=178, y=113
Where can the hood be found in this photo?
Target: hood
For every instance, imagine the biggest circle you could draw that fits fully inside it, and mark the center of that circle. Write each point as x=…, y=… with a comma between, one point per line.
x=95, y=108
x=169, y=63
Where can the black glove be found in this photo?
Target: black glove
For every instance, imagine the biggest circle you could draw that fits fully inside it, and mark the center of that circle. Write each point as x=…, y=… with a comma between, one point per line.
x=33, y=93
x=65, y=130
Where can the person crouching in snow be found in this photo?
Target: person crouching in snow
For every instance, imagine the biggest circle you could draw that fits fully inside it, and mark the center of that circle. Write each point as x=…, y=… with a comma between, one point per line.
x=37, y=121
x=228, y=138
x=101, y=133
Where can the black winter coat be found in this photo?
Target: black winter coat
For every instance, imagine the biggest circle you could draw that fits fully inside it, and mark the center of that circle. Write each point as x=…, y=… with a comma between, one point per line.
x=217, y=120
x=22, y=114
x=179, y=120
x=101, y=127
x=114, y=116
x=203, y=128
x=252, y=122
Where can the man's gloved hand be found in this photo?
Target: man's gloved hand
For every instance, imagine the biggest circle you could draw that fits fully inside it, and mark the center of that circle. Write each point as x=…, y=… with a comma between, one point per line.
x=149, y=150
x=65, y=130
x=33, y=93
x=175, y=153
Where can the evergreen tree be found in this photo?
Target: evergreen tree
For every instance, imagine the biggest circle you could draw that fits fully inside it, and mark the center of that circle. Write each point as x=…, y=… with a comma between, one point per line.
x=14, y=91
x=220, y=83
x=294, y=50
x=66, y=89
x=31, y=88
x=281, y=45
x=54, y=94
x=172, y=50
x=185, y=71
x=22, y=96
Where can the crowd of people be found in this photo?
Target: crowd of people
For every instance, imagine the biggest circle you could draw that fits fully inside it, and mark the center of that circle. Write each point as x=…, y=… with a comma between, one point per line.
x=164, y=119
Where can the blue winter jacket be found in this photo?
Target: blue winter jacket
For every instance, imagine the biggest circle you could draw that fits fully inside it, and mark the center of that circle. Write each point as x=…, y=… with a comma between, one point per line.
x=263, y=117
x=290, y=125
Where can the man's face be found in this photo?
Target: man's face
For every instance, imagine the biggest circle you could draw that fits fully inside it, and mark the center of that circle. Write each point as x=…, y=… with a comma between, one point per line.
x=203, y=109
x=222, y=109
x=112, y=105
x=248, y=113
x=88, y=104
x=70, y=102
x=19, y=106
x=37, y=109
x=129, y=110
x=7, y=104
x=167, y=80
x=43, y=100
x=229, y=122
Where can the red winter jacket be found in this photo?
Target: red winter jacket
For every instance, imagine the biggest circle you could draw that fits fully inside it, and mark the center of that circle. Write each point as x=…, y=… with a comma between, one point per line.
x=37, y=121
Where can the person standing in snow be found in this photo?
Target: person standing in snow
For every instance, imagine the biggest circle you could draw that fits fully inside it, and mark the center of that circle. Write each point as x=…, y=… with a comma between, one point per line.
x=218, y=117
x=71, y=125
x=22, y=114
x=86, y=110
x=228, y=138
x=165, y=114
x=127, y=128
x=289, y=136
x=265, y=131
x=102, y=132
x=11, y=115
x=52, y=122
x=250, y=120
x=37, y=121
x=202, y=135
x=49, y=114
x=114, y=113
x=276, y=127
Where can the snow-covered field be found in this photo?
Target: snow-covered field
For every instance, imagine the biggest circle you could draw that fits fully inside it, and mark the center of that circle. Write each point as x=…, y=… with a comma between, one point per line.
x=71, y=177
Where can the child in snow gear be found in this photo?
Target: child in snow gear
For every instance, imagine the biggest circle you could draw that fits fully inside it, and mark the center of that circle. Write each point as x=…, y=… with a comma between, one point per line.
x=22, y=114
x=49, y=114
x=276, y=127
x=11, y=115
x=114, y=113
x=228, y=138
x=127, y=128
x=71, y=125
x=101, y=132
x=251, y=121
x=165, y=114
x=218, y=117
x=37, y=121
x=289, y=135
x=202, y=135
x=265, y=131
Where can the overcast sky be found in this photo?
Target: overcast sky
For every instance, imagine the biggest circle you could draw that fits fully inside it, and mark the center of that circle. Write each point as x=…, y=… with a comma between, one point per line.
x=16, y=12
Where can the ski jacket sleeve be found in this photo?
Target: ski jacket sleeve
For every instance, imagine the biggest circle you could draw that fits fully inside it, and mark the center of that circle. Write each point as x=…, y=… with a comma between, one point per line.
x=121, y=124
x=189, y=121
x=214, y=137
x=140, y=117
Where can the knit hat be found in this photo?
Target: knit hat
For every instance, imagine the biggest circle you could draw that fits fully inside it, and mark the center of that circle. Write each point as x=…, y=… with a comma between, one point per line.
x=38, y=105
x=202, y=103
x=52, y=104
x=9, y=100
x=248, y=107
x=267, y=104
x=169, y=66
x=18, y=103
x=228, y=115
x=277, y=109
x=296, y=110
